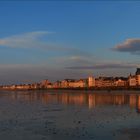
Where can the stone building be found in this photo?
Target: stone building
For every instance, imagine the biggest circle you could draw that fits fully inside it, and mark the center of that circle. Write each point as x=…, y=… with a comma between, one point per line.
x=138, y=76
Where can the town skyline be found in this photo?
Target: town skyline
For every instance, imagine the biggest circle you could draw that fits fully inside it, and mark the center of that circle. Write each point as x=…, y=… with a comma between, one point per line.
x=91, y=82
x=61, y=40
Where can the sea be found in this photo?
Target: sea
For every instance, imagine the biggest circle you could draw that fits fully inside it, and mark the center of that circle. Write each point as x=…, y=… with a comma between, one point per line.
x=69, y=115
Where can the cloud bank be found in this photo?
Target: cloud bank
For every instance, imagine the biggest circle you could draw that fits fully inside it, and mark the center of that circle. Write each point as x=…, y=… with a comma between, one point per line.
x=130, y=45
x=104, y=66
x=29, y=73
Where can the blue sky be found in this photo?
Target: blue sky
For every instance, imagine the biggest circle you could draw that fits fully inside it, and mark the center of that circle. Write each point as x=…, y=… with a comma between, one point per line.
x=67, y=39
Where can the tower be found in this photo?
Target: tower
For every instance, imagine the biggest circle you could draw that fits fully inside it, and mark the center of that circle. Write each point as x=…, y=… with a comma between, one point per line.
x=138, y=76
x=91, y=81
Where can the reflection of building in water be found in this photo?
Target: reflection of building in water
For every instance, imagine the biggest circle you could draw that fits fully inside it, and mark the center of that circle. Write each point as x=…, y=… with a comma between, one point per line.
x=105, y=99
x=25, y=96
x=91, y=101
x=80, y=99
x=65, y=99
x=83, y=99
x=132, y=101
x=50, y=98
x=138, y=104
x=120, y=100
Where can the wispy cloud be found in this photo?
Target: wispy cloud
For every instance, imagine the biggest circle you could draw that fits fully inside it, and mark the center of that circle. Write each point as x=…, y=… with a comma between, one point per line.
x=34, y=40
x=25, y=40
x=74, y=60
x=130, y=45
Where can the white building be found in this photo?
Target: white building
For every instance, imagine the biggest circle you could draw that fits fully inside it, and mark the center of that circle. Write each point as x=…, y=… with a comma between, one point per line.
x=91, y=81
x=78, y=83
x=72, y=83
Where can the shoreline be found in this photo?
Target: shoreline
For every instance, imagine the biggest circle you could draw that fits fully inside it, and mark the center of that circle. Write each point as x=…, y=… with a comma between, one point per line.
x=108, y=89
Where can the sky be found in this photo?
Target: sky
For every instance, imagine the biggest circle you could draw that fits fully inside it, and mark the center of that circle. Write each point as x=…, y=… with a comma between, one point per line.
x=68, y=39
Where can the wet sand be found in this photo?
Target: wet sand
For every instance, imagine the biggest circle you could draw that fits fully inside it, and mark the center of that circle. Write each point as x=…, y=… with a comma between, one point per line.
x=69, y=115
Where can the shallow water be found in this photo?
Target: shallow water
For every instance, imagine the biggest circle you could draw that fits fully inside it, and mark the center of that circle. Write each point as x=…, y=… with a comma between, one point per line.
x=69, y=115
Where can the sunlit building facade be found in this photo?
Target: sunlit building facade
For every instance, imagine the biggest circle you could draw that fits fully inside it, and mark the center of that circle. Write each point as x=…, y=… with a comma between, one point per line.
x=132, y=80
x=91, y=81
